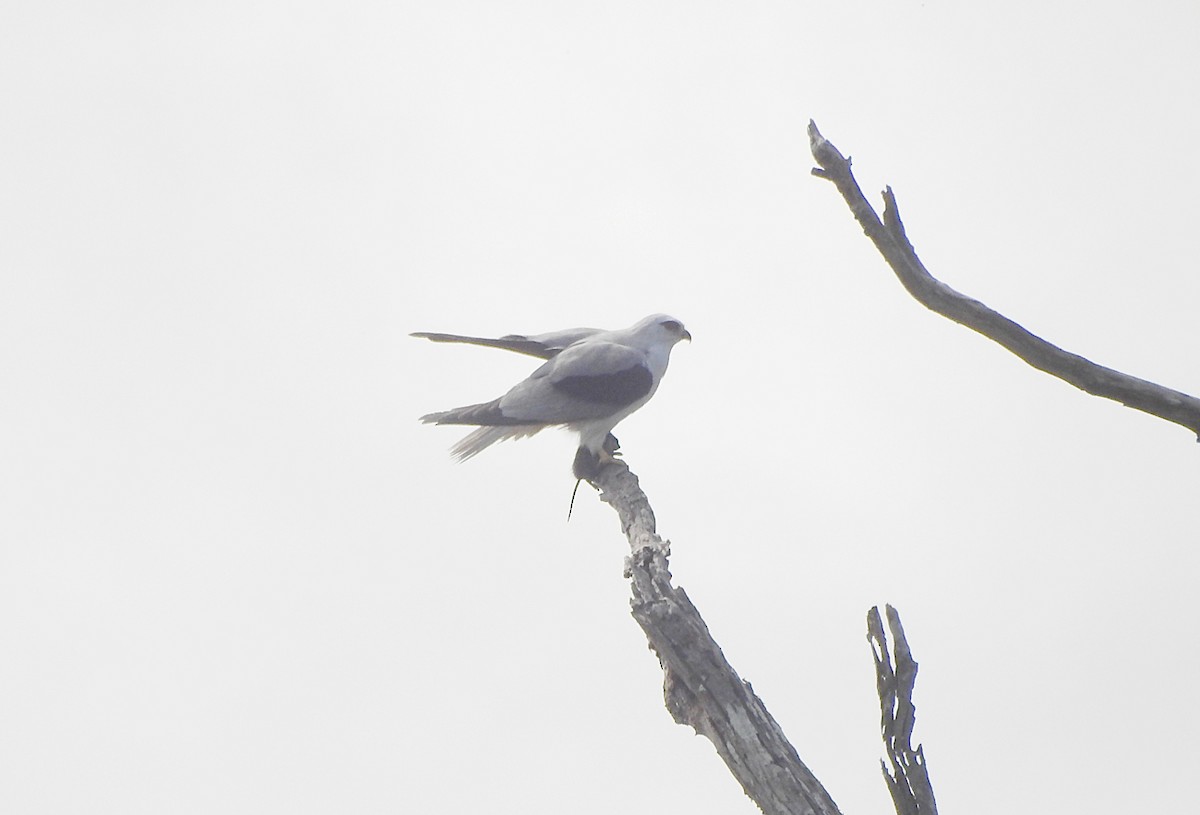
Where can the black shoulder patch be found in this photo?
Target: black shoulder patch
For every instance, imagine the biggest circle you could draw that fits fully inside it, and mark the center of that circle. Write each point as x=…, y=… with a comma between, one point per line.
x=618, y=388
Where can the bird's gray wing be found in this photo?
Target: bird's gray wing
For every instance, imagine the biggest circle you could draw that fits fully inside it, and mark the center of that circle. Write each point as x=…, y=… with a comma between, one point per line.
x=522, y=345
x=543, y=346
x=587, y=380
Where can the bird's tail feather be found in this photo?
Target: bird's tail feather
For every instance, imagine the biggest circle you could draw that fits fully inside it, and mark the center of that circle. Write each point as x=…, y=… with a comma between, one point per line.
x=495, y=427
x=477, y=441
x=487, y=413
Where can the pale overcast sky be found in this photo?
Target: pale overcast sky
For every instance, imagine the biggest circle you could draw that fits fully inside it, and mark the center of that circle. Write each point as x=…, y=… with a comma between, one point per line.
x=236, y=574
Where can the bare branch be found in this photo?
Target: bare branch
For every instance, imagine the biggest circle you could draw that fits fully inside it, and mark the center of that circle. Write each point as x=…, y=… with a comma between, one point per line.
x=889, y=238
x=908, y=779
x=701, y=688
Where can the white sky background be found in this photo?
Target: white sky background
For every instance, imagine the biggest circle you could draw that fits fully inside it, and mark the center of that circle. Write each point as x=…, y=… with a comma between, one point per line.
x=238, y=576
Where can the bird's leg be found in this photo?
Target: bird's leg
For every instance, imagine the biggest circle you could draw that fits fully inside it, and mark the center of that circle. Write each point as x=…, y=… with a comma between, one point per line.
x=588, y=464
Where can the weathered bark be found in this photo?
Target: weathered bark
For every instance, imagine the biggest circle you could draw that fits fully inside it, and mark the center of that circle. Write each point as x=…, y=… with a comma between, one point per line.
x=701, y=688
x=908, y=778
x=889, y=238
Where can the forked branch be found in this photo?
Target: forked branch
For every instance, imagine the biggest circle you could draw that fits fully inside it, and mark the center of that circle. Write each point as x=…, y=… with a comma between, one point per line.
x=889, y=238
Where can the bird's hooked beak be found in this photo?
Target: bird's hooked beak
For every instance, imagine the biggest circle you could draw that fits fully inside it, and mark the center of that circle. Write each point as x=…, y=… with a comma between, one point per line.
x=686, y=335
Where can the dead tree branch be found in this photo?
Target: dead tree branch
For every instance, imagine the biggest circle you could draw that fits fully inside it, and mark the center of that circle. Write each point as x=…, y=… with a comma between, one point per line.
x=701, y=688
x=889, y=238
x=908, y=778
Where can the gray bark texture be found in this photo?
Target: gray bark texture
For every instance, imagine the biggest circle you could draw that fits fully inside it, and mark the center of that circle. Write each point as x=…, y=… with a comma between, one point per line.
x=890, y=239
x=907, y=777
x=702, y=689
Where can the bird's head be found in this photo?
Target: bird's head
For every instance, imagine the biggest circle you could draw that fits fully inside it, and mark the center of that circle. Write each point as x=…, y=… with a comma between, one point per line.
x=662, y=328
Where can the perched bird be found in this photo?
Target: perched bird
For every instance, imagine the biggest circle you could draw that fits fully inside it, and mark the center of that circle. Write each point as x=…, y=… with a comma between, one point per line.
x=592, y=379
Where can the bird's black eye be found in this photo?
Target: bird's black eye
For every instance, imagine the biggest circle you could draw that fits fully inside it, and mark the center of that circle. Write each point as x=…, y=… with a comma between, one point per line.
x=672, y=325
